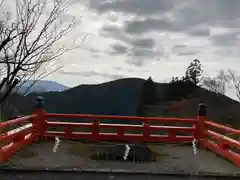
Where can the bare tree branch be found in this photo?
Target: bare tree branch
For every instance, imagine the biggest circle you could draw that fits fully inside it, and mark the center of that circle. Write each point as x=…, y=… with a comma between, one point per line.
x=235, y=82
x=218, y=84
x=25, y=41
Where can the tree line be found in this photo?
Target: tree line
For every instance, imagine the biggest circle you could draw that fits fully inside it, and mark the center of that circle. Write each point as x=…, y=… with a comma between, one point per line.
x=181, y=87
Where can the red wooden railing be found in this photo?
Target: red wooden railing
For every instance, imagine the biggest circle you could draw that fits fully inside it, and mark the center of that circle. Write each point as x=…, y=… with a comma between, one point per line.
x=199, y=128
x=145, y=129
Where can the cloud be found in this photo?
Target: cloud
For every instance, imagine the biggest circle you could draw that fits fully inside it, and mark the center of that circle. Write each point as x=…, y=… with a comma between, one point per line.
x=93, y=73
x=136, y=7
x=183, y=50
x=160, y=36
x=118, y=33
x=200, y=31
x=144, y=43
x=140, y=26
x=134, y=44
x=135, y=48
x=118, y=49
x=231, y=39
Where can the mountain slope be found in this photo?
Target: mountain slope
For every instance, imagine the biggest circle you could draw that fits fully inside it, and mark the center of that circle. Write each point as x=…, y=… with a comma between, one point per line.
x=41, y=86
x=123, y=97
x=221, y=109
x=120, y=97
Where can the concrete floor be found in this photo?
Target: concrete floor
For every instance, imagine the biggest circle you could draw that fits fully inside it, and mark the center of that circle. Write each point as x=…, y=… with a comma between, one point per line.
x=169, y=158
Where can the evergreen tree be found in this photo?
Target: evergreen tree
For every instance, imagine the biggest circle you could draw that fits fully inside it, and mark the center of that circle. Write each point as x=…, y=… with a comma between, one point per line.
x=149, y=92
x=194, y=72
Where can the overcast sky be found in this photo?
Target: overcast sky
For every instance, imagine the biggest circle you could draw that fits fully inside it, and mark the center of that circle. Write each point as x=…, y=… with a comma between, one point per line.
x=158, y=38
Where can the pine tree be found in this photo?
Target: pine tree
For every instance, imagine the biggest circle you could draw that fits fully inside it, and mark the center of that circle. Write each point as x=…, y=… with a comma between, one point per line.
x=194, y=72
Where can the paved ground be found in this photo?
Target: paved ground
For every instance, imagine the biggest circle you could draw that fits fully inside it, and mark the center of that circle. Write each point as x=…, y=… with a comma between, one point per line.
x=73, y=155
x=97, y=176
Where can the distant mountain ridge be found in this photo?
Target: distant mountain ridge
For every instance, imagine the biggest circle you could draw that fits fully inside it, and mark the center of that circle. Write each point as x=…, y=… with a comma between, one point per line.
x=41, y=86
x=124, y=97
x=119, y=97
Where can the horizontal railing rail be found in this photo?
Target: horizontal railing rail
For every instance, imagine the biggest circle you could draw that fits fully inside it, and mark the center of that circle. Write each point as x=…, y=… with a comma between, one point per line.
x=14, y=140
x=15, y=133
x=16, y=121
x=145, y=135
x=222, y=127
x=115, y=117
x=121, y=129
x=220, y=143
x=123, y=126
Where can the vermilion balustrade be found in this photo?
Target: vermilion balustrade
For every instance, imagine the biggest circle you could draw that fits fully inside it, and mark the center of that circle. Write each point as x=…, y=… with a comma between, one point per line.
x=199, y=129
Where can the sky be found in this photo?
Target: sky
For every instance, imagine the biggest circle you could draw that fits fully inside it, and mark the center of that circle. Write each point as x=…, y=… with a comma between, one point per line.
x=142, y=38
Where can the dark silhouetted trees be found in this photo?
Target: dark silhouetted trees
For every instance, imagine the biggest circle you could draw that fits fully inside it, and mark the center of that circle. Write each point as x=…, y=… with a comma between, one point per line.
x=149, y=92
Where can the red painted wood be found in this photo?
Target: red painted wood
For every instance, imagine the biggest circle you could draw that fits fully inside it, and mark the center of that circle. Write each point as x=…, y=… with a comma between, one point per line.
x=198, y=131
x=10, y=136
x=116, y=137
x=114, y=117
x=223, y=139
x=232, y=156
x=222, y=127
x=8, y=150
x=123, y=126
x=16, y=121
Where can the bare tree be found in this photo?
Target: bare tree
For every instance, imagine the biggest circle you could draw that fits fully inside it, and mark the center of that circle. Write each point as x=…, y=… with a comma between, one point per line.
x=219, y=83
x=216, y=84
x=235, y=82
x=29, y=40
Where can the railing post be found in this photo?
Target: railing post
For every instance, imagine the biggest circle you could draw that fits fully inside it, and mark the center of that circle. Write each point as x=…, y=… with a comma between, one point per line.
x=200, y=126
x=40, y=121
x=96, y=129
x=146, y=130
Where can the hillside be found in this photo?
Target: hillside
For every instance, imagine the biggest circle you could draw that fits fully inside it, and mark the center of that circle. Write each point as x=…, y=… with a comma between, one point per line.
x=124, y=97
x=120, y=97
x=40, y=86
x=221, y=109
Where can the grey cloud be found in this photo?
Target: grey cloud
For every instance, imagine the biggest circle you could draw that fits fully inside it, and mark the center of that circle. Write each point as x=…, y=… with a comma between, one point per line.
x=139, y=52
x=135, y=47
x=186, y=15
x=144, y=43
x=231, y=39
x=191, y=17
x=111, y=29
x=163, y=24
x=140, y=56
x=183, y=50
x=121, y=35
x=139, y=7
x=149, y=25
x=95, y=56
x=115, y=32
x=93, y=73
x=119, y=49
x=214, y=12
x=204, y=31
x=130, y=70
x=95, y=51
x=118, y=68
x=65, y=17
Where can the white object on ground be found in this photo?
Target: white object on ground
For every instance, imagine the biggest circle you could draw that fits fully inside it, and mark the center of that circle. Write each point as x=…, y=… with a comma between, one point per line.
x=126, y=151
x=194, y=146
x=57, y=142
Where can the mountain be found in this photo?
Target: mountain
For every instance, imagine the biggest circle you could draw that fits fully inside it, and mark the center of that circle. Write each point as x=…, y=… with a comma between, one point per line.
x=221, y=109
x=119, y=97
x=40, y=86
x=129, y=97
